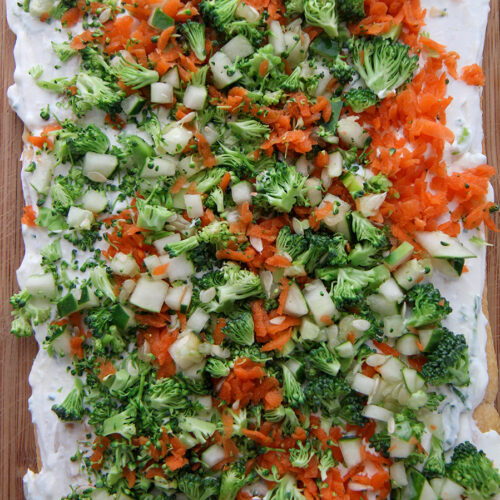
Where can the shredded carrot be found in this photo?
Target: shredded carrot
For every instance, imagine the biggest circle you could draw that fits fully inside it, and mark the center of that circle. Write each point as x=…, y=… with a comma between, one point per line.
x=178, y=184
x=246, y=255
x=473, y=75
x=218, y=331
x=161, y=269
x=386, y=348
x=105, y=368
x=278, y=261
x=278, y=342
x=285, y=287
x=29, y=216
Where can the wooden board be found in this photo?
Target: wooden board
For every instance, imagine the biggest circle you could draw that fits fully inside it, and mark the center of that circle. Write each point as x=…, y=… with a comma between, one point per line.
x=17, y=447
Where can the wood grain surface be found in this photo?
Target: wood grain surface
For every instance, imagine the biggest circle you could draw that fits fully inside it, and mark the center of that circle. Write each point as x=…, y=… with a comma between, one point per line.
x=17, y=445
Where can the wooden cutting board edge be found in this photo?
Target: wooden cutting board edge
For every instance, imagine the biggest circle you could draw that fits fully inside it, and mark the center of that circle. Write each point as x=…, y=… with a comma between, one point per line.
x=17, y=445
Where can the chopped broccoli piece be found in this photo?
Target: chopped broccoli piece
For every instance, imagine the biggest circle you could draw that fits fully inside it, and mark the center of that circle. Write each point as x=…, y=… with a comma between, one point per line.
x=474, y=471
x=324, y=393
x=360, y=99
x=366, y=231
x=101, y=283
x=218, y=13
x=26, y=314
x=120, y=423
x=280, y=188
x=286, y=489
x=294, y=8
x=364, y=255
x=342, y=71
x=198, y=487
x=217, y=233
x=351, y=11
x=169, y=394
x=217, y=368
x=322, y=13
x=378, y=184
x=233, y=479
x=235, y=161
x=407, y=426
x=292, y=391
x=71, y=409
x=290, y=243
x=435, y=464
x=429, y=308
x=383, y=64
x=181, y=247
x=326, y=462
x=381, y=442
x=249, y=130
x=321, y=358
x=287, y=417
x=93, y=91
x=301, y=456
x=151, y=216
x=134, y=75
x=201, y=429
x=240, y=328
x=251, y=68
x=352, y=408
x=63, y=50
x=448, y=363
x=195, y=35
x=208, y=179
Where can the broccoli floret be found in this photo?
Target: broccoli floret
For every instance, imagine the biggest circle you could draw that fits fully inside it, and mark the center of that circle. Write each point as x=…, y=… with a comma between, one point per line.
x=286, y=489
x=72, y=141
x=218, y=13
x=134, y=75
x=292, y=391
x=249, y=130
x=201, y=429
x=322, y=359
x=198, y=487
x=302, y=455
x=354, y=284
x=181, y=247
x=435, y=464
x=238, y=162
x=26, y=314
x=290, y=243
x=251, y=67
x=94, y=62
x=474, y=471
x=448, y=363
x=366, y=231
x=281, y=188
x=407, y=426
x=195, y=34
x=429, y=308
x=63, y=50
x=383, y=64
x=294, y=8
x=249, y=30
x=120, y=423
x=240, y=328
x=322, y=13
x=71, y=409
x=293, y=81
x=217, y=368
x=352, y=408
x=168, y=394
x=360, y=99
x=151, y=216
x=342, y=71
x=378, y=184
x=208, y=179
x=287, y=417
x=364, y=255
x=326, y=462
x=217, y=233
x=324, y=392
x=101, y=283
x=233, y=479
x=237, y=284
x=93, y=91
x=381, y=442
x=351, y=11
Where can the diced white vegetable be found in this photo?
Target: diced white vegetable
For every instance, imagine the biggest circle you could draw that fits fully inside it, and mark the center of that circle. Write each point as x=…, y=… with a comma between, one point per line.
x=409, y=274
x=351, y=451
x=176, y=139
x=398, y=473
x=124, y=265
x=79, y=218
x=345, y=350
x=295, y=304
x=391, y=291
x=314, y=191
x=160, y=243
x=213, y=455
x=149, y=294
x=340, y=210
x=41, y=178
x=98, y=167
x=400, y=448
x=198, y=320
x=184, y=351
x=41, y=285
x=407, y=345
x=369, y=204
x=222, y=70
x=211, y=135
x=394, y=326
x=237, y=47
x=172, y=77
x=194, y=205
x=95, y=201
x=363, y=384
x=164, y=166
x=39, y=7
x=391, y=370
x=450, y=490
x=351, y=133
x=309, y=330
x=381, y=305
x=207, y=295
x=245, y=11
x=195, y=97
x=180, y=268
x=276, y=37
x=176, y=296
x=296, y=46
x=319, y=302
x=241, y=192
x=325, y=78
x=377, y=413
x=162, y=93
x=335, y=164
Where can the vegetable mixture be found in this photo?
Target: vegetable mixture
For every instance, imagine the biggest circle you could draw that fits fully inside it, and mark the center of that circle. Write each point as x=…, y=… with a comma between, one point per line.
x=245, y=210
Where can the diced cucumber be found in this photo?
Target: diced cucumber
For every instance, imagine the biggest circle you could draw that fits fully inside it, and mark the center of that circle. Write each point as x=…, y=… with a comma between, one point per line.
x=430, y=338
x=123, y=317
x=394, y=326
x=95, y=201
x=296, y=367
x=400, y=448
x=175, y=296
x=409, y=274
x=67, y=305
x=354, y=184
x=295, y=304
x=87, y=298
x=276, y=37
x=391, y=291
x=309, y=330
x=161, y=93
x=413, y=380
x=441, y=246
x=180, y=268
x=379, y=304
x=160, y=20
x=407, y=345
x=320, y=302
x=363, y=384
x=449, y=267
x=446, y=489
x=198, y=320
x=337, y=220
x=98, y=167
x=38, y=8
x=132, y=104
x=162, y=242
x=398, y=474
x=79, y=218
x=391, y=370
x=164, y=166
x=351, y=450
x=237, y=47
x=41, y=285
x=417, y=400
x=195, y=97
x=172, y=77
x=149, y=294
x=223, y=70
x=377, y=413
x=40, y=179
x=345, y=350
x=418, y=487
x=314, y=191
x=399, y=256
